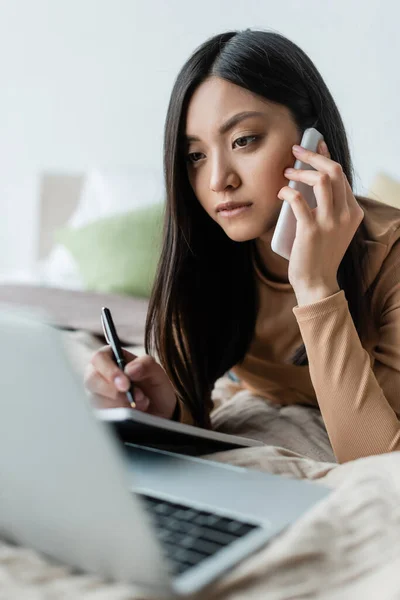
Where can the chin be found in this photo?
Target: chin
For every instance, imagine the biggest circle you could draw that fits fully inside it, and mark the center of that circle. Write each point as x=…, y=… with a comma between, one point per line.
x=244, y=234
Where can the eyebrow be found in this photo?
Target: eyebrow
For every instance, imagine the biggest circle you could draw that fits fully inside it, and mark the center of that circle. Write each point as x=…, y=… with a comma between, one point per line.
x=229, y=124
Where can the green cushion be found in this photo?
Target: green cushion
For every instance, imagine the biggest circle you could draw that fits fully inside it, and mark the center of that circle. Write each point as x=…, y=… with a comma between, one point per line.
x=118, y=254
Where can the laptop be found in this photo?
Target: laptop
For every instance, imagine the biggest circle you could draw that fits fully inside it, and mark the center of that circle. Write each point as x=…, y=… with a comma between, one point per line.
x=169, y=523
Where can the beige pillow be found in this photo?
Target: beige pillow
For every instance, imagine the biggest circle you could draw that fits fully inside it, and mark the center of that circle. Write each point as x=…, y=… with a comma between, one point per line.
x=386, y=189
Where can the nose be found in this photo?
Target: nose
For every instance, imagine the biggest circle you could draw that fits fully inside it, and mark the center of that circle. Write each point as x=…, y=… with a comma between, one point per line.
x=223, y=174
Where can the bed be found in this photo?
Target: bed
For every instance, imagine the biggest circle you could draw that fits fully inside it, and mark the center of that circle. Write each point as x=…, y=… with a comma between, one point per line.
x=345, y=547
x=63, y=297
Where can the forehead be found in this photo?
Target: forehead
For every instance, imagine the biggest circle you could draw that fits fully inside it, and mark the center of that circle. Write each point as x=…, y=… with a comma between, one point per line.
x=217, y=99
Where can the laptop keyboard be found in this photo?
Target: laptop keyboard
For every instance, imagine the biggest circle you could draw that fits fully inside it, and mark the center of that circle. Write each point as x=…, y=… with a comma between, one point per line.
x=189, y=535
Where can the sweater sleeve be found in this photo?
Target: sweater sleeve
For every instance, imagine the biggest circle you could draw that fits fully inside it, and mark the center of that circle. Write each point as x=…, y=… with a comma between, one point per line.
x=359, y=402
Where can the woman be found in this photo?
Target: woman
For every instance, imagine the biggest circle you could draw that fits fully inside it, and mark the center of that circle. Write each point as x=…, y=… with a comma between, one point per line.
x=321, y=329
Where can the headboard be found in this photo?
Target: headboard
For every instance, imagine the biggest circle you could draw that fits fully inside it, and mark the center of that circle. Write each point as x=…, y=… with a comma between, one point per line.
x=58, y=198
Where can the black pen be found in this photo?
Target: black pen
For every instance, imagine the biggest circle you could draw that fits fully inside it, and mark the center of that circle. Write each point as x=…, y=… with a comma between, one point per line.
x=110, y=333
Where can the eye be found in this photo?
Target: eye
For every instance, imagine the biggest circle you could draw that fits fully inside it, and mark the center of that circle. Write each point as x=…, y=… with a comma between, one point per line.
x=191, y=157
x=246, y=137
x=192, y=154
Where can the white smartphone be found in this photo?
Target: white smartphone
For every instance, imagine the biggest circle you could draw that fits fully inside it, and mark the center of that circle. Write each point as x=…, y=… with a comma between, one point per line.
x=285, y=230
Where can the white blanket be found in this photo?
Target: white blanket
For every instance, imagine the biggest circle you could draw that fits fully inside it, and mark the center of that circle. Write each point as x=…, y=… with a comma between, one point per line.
x=345, y=547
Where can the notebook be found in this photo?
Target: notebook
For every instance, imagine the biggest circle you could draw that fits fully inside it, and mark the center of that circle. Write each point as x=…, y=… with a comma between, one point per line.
x=131, y=425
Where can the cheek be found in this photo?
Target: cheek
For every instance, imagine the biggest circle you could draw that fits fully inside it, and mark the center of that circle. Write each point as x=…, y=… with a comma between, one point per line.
x=265, y=176
x=200, y=189
x=195, y=182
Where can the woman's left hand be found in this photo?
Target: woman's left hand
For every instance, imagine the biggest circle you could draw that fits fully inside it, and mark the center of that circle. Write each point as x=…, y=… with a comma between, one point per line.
x=324, y=233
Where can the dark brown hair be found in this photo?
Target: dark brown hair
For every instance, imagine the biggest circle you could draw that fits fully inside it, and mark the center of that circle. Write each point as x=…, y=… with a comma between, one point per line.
x=204, y=304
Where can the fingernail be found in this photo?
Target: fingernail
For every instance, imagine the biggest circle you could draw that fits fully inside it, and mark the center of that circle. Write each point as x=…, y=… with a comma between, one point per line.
x=289, y=170
x=139, y=396
x=298, y=149
x=121, y=383
x=141, y=401
x=144, y=405
x=324, y=147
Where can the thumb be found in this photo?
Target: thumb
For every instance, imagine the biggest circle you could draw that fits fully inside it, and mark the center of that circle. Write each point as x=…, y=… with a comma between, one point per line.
x=146, y=371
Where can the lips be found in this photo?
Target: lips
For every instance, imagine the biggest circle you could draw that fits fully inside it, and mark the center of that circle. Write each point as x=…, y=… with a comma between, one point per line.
x=232, y=205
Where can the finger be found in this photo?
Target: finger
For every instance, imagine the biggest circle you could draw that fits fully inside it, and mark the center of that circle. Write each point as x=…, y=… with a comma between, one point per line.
x=142, y=402
x=321, y=184
x=95, y=383
x=142, y=368
x=103, y=362
x=147, y=373
x=356, y=213
x=299, y=206
x=318, y=161
x=309, y=177
x=108, y=394
x=338, y=204
x=331, y=168
x=323, y=149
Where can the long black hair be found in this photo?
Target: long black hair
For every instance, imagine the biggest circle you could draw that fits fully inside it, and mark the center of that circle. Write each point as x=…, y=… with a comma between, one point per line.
x=203, y=307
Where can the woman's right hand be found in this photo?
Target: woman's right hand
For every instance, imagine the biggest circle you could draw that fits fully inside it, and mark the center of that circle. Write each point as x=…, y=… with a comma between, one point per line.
x=153, y=390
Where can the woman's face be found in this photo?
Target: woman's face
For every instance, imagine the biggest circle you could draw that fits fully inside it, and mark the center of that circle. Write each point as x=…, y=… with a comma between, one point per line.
x=243, y=164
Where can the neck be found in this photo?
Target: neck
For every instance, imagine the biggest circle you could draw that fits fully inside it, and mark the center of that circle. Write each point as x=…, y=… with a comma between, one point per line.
x=275, y=266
